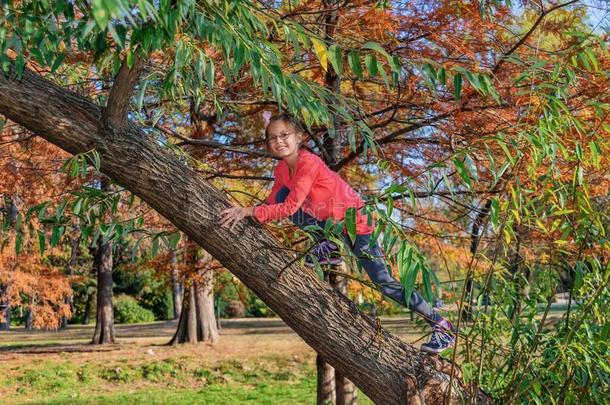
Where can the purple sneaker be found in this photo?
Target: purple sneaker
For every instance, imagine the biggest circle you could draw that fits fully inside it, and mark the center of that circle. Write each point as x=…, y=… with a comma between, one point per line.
x=441, y=338
x=325, y=253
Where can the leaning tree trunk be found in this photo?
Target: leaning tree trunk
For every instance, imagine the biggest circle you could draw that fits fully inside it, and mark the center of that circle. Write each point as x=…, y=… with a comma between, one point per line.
x=197, y=322
x=104, y=321
x=386, y=369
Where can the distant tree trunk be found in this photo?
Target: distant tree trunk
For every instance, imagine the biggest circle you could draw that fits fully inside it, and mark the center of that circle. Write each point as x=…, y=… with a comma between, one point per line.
x=475, y=239
x=10, y=206
x=325, y=382
x=197, y=322
x=104, y=322
x=29, y=320
x=345, y=390
x=204, y=297
x=520, y=274
x=177, y=287
x=70, y=271
x=87, y=315
x=6, y=308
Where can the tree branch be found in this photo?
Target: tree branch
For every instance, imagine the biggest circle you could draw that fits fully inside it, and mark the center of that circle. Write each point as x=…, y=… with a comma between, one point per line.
x=117, y=107
x=531, y=30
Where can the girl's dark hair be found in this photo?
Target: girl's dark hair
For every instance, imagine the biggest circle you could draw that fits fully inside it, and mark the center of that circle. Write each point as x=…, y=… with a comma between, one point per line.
x=286, y=119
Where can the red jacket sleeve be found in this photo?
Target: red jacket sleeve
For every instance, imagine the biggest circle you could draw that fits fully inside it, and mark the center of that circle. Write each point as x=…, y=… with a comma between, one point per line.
x=277, y=184
x=304, y=176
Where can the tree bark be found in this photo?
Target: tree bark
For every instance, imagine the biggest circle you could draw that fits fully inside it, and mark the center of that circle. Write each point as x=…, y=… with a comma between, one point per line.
x=70, y=271
x=177, y=287
x=11, y=211
x=386, y=369
x=206, y=319
x=87, y=315
x=345, y=391
x=5, y=306
x=29, y=320
x=325, y=382
x=104, y=322
x=197, y=322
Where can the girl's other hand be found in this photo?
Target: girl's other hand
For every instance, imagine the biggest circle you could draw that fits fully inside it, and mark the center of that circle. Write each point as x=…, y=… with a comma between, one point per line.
x=231, y=216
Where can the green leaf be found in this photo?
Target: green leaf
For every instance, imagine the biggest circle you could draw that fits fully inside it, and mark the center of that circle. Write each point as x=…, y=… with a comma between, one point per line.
x=374, y=46
x=18, y=242
x=173, y=240
x=354, y=63
x=100, y=14
x=457, y=86
x=462, y=171
x=370, y=62
x=56, y=234
x=495, y=213
x=350, y=223
x=41, y=241
x=209, y=73
x=472, y=167
x=336, y=58
x=141, y=93
x=390, y=205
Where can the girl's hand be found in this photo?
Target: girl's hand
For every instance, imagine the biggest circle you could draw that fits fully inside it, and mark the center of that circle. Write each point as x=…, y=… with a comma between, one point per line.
x=231, y=216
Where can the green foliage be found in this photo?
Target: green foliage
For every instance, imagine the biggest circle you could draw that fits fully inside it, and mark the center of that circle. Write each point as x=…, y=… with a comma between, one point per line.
x=149, y=289
x=127, y=310
x=257, y=308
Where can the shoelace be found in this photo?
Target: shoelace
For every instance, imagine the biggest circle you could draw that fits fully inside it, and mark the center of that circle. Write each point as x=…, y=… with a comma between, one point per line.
x=439, y=336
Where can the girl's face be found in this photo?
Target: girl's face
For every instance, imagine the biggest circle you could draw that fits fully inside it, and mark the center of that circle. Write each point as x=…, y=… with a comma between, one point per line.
x=284, y=139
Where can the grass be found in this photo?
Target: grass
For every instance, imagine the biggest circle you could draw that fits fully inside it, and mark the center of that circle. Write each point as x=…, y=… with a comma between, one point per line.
x=253, y=363
x=256, y=361
x=176, y=381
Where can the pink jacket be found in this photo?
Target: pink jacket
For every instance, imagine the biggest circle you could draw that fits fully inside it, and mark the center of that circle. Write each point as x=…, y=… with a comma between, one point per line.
x=314, y=188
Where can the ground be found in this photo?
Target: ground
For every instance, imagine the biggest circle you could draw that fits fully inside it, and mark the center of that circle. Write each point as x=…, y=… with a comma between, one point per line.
x=256, y=361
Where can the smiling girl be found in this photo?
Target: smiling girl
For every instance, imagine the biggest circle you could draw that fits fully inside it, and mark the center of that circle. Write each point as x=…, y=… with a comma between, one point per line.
x=308, y=192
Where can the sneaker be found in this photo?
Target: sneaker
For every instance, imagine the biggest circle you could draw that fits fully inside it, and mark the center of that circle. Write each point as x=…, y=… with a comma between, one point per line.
x=325, y=253
x=441, y=338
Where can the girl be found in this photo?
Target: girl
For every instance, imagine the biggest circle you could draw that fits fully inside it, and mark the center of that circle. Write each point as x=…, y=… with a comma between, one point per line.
x=309, y=192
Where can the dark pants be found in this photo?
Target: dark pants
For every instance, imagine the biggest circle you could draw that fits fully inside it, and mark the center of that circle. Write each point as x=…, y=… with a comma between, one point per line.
x=372, y=260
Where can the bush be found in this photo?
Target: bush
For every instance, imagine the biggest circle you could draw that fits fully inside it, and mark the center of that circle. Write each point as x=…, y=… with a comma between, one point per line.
x=127, y=310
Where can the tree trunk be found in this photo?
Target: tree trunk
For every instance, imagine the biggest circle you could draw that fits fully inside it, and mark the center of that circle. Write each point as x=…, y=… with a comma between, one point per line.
x=5, y=306
x=10, y=206
x=386, y=369
x=104, y=321
x=206, y=319
x=478, y=227
x=87, y=315
x=177, y=287
x=29, y=320
x=70, y=271
x=197, y=322
x=325, y=382
x=345, y=391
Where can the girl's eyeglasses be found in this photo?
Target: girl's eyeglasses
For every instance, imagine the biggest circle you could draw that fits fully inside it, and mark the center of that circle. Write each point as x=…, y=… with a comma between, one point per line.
x=282, y=136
